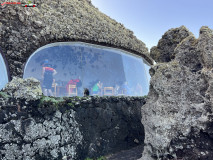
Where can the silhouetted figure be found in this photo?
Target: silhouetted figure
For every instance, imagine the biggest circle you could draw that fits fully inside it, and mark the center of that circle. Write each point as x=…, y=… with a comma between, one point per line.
x=86, y=92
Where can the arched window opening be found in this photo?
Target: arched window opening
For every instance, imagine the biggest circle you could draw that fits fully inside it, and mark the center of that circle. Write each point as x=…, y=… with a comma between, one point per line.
x=67, y=68
x=3, y=73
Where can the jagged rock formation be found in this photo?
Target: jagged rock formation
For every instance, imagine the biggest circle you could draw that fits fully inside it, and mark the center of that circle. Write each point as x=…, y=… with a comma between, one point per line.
x=28, y=89
x=42, y=128
x=178, y=114
x=24, y=30
x=164, y=51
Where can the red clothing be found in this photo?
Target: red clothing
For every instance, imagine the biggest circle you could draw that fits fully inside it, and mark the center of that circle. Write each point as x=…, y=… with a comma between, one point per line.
x=73, y=82
x=48, y=77
x=48, y=69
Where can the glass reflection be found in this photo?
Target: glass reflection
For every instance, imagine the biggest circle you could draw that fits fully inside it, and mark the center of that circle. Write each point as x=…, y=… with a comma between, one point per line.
x=67, y=68
x=3, y=73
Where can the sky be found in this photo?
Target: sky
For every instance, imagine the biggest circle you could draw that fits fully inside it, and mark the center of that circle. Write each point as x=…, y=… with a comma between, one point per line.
x=150, y=19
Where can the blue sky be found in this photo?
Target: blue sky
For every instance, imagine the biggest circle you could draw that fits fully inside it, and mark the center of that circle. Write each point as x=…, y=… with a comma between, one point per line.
x=150, y=19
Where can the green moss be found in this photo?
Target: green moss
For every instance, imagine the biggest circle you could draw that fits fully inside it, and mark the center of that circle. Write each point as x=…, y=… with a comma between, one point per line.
x=51, y=100
x=100, y=158
x=78, y=98
x=4, y=95
x=70, y=104
x=60, y=101
x=146, y=96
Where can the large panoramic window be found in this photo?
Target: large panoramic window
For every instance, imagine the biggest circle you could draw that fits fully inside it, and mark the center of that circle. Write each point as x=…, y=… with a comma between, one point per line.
x=67, y=68
x=3, y=73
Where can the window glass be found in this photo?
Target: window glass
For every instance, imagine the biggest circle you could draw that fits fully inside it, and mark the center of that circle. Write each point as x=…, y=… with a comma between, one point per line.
x=147, y=67
x=136, y=77
x=67, y=68
x=3, y=73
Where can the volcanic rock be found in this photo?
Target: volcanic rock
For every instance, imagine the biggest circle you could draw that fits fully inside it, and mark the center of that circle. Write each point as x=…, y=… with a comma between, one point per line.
x=68, y=128
x=178, y=114
x=164, y=51
x=24, y=30
x=28, y=89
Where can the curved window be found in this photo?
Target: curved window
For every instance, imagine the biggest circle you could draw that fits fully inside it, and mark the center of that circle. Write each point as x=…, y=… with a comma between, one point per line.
x=3, y=73
x=67, y=68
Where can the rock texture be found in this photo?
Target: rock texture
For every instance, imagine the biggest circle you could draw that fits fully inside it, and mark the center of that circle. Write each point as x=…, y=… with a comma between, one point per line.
x=68, y=128
x=164, y=51
x=178, y=114
x=23, y=30
x=28, y=89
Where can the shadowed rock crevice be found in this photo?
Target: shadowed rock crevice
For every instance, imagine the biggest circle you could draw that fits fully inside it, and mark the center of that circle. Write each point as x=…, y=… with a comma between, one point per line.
x=187, y=54
x=197, y=145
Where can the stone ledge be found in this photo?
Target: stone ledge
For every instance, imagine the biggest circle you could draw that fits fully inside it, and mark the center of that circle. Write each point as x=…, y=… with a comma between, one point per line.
x=75, y=127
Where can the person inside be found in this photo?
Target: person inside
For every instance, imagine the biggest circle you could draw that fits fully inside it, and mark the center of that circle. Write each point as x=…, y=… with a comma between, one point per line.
x=125, y=88
x=96, y=89
x=117, y=88
x=47, y=75
x=77, y=82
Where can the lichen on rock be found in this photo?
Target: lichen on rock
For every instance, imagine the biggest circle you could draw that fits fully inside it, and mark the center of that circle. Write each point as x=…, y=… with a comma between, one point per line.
x=28, y=89
x=164, y=51
x=178, y=114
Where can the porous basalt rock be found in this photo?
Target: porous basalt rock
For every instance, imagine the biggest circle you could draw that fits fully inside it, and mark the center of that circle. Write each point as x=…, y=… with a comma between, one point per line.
x=177, y=117
x=68, y=128
x=164, y=51
x=23, y=30
x=28, y=89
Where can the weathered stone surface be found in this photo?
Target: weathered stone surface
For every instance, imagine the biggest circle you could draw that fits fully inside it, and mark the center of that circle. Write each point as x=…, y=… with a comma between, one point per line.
x=177, y=117
x=23, y=30
x=164, y=51
x=69, y=128
x=28, y=89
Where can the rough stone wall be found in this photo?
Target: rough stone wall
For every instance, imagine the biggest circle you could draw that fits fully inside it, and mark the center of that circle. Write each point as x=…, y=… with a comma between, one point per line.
x=164, y=51
x=42, y=128
x=177, y=117
x=23, y=30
